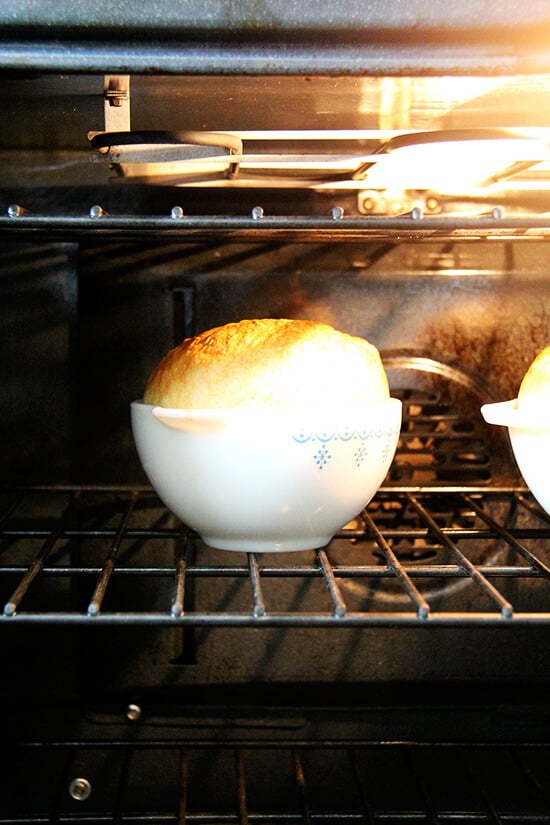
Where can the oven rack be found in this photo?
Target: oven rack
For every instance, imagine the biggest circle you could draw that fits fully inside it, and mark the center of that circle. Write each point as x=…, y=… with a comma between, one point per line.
x=21, y=223
x=164, y=781
x=416, y=556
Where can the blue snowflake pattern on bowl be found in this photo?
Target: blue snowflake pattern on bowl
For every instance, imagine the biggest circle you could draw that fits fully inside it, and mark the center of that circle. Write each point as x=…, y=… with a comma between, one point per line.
x=386, y=448
x=322, y=456
x=360, y=454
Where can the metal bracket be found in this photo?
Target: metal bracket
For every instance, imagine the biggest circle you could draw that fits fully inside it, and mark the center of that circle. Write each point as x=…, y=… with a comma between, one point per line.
x=116, y=94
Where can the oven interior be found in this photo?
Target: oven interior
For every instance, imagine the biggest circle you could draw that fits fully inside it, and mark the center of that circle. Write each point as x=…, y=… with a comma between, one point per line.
x=152, y=187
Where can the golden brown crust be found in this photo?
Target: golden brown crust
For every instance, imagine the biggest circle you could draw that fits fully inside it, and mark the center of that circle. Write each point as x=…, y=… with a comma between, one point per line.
x=534, y=391
x=269, y=363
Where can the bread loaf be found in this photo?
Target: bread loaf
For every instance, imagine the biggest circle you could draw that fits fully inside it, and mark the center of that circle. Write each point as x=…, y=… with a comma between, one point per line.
x=269, y=363
x=534, y=391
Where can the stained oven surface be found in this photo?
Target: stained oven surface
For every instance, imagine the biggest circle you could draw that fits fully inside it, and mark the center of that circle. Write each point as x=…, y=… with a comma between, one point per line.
x=177, y=168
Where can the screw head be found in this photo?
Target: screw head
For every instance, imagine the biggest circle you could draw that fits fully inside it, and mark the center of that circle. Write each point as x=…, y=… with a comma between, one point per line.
x=80, y=789
x=133, y=713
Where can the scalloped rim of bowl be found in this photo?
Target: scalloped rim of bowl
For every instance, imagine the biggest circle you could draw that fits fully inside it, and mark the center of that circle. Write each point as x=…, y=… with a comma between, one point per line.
x=509, y=414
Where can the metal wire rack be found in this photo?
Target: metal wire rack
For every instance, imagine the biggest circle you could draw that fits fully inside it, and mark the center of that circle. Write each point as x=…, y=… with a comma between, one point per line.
x=21, y=223
x=433, y=555
x=353, y=782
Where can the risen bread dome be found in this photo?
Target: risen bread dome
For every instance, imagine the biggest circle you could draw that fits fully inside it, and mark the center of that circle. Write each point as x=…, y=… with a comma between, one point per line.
x=534, y=391
x=269, y=363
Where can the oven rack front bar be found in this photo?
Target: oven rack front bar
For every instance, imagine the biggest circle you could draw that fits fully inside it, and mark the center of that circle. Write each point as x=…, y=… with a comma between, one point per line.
x=354, y=38
x=19, y=223
x=69, y=564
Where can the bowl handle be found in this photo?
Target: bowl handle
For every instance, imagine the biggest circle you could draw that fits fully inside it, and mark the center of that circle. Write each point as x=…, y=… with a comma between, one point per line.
x=188, y=420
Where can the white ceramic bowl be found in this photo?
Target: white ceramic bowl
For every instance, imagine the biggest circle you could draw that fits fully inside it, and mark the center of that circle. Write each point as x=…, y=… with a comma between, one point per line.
x=530, y=439
x=262, y=480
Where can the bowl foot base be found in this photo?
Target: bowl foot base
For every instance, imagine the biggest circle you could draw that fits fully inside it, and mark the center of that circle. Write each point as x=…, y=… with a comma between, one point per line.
x=261, y=545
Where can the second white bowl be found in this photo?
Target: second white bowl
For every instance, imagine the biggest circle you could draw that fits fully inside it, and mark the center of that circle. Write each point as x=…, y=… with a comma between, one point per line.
x=530, y=439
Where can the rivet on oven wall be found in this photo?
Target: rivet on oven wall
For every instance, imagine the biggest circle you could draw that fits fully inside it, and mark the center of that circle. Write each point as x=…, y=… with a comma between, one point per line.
x=336, y=213
x=80, y=789
x=257, y=213
x=133, y=713
x=97, y=212
x=368, y=203
x=431, y=203
x=176, y=212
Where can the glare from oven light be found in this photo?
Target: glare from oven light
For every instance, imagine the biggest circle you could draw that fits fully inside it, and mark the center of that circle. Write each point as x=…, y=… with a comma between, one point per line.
x=405, y=103
x=453, y=166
